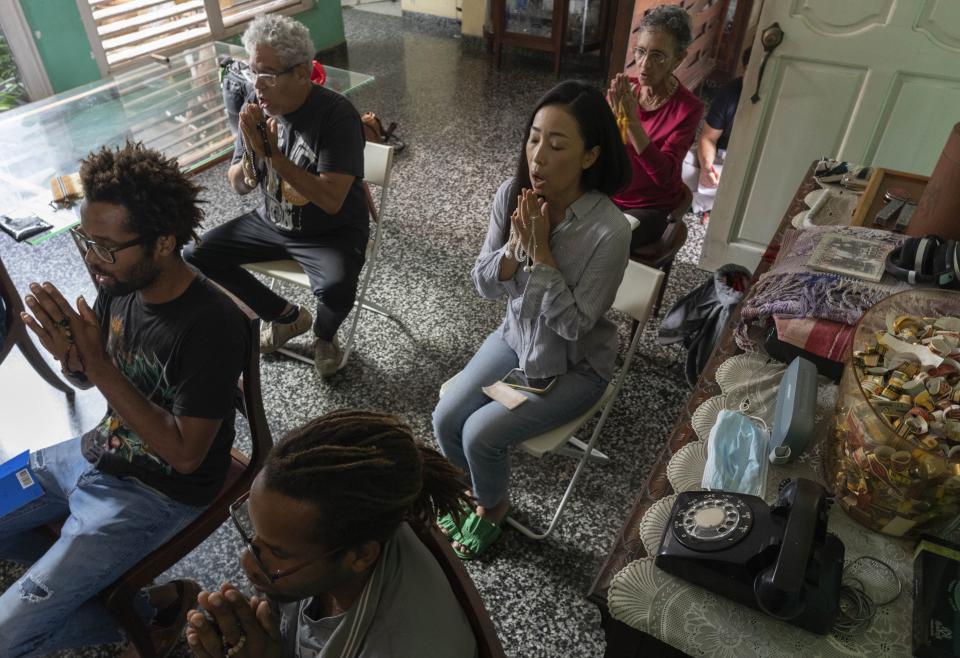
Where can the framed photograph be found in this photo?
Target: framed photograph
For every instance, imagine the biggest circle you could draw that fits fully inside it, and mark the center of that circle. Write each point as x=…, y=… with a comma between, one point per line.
x=857, y=257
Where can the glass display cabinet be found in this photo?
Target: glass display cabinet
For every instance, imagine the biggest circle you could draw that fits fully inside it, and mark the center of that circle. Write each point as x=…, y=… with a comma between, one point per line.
x=549, y=25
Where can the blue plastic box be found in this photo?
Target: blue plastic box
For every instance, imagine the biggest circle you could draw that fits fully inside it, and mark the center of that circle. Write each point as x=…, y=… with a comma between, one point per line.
x=17, y=484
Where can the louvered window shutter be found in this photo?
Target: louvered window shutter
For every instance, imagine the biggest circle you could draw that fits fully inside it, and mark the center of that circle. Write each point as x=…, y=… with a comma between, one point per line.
x=131, y=29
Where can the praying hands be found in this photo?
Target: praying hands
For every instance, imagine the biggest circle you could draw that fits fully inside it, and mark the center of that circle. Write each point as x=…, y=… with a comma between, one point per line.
x=623, y=101
x=72, y=337
x=621, y=97
x=530, y=227
x=251, y=118
x=237, y=627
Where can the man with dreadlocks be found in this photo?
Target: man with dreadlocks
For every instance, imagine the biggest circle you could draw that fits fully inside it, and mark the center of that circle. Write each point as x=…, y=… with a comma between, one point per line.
x=165, y=348
x=327, y=528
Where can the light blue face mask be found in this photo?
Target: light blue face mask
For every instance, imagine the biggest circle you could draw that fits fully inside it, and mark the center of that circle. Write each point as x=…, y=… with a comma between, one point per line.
x=736, y=455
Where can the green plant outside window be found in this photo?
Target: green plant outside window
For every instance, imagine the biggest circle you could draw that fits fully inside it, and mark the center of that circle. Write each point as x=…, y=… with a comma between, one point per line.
x=12, y=92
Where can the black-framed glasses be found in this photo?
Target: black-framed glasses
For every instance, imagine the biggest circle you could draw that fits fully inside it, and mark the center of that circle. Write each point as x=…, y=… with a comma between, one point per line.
x=654, y=56
x=268, y=79
x=240, y=515
x=104, y=253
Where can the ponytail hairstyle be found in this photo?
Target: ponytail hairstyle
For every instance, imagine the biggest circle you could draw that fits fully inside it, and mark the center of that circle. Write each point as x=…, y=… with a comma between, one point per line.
x=366, y=474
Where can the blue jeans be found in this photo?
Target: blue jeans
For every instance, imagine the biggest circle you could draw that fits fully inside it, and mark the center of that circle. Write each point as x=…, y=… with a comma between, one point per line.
x=475, y=432
x=111, y=524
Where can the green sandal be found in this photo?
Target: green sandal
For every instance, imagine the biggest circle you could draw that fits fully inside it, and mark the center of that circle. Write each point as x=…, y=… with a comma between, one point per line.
x=449, y=527
x=448, y=522
x=477, y=534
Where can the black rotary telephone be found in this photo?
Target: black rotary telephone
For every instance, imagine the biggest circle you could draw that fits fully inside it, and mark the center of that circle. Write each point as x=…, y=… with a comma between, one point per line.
x=778, y=559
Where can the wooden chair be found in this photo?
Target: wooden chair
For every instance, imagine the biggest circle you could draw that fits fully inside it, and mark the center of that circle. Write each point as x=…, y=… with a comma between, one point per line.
x=635, y=297
x=17, y=334
x=661, y=254
x=119, y=597
x=488, y=643
x=377, y=165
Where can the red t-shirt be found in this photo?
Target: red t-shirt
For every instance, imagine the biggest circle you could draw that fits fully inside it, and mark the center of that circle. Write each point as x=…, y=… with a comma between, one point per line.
x=656, y=181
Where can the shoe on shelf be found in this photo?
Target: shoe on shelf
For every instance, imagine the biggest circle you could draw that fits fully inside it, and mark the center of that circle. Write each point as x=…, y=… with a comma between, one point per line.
x=327, y=356
x=829, y=170
x=275, y=334
x=165, y=638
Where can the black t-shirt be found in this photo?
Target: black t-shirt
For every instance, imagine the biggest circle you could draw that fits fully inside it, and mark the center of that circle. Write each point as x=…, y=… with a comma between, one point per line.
x=723, y=109
x=324, y=135
x=184, y=356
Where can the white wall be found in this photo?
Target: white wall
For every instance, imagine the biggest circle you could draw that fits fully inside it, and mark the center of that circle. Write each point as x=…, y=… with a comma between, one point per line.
x=443, y=8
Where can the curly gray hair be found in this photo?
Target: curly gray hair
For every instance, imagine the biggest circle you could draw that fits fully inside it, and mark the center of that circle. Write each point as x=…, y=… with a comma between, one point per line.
x=673, y=20
x=290, y=39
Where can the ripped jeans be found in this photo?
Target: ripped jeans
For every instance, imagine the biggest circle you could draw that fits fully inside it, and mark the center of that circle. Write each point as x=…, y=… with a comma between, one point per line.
x=111, y=524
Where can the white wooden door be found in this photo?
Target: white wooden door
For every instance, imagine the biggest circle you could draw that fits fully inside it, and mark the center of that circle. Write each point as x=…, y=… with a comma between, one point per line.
x=871, y=81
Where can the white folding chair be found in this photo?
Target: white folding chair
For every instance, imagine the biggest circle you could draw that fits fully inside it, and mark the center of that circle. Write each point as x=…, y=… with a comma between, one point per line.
x=377, y=163
x=635, y=297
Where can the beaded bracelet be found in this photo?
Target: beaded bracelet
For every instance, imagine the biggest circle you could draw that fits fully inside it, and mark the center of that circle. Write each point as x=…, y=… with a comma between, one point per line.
x=235, y=649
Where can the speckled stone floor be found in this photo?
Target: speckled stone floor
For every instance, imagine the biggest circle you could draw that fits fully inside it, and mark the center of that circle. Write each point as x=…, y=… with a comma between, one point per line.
x=462, y=123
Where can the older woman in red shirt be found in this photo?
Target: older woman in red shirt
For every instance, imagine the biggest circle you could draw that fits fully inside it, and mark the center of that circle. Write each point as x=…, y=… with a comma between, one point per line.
x=659, y=119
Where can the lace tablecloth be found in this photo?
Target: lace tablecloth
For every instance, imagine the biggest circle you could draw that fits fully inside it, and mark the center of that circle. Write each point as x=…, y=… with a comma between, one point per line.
x=702, y=623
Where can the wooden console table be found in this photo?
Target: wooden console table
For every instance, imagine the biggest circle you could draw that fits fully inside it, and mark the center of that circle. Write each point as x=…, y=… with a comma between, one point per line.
x=622, y=640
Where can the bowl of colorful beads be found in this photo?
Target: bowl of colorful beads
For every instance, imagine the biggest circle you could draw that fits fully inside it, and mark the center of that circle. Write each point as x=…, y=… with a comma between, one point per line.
x=894, y=458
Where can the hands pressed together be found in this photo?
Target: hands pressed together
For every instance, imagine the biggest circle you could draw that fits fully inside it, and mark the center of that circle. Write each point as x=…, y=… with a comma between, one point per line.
x=250, y=117
x=71, y=336
x=233, y=626
x=621, y=97
x=530, y=224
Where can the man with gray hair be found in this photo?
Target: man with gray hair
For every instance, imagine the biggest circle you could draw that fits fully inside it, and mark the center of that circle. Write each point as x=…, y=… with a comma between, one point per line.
x=302, y=145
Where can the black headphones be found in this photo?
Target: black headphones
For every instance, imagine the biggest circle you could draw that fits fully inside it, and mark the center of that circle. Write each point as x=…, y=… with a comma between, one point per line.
x=926, y=260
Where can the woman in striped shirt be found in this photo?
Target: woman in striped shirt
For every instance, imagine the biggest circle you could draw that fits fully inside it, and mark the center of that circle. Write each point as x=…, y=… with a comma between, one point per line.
x=557, y=248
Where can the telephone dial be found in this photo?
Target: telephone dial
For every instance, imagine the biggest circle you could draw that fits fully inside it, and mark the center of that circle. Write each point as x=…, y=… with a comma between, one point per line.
x=778, y=559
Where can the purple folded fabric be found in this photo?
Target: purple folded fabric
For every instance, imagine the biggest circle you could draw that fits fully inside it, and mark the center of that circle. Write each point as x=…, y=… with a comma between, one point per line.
x=792, y=290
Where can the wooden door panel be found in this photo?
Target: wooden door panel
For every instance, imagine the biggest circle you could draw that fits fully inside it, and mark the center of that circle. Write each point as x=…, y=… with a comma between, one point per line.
x=796, y=124
x=832, y=17
x=940, y=21
x=911, y=131
x=870, y=81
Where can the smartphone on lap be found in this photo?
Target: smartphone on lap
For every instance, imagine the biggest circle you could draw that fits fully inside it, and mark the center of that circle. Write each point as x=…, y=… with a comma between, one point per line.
x=518, y=379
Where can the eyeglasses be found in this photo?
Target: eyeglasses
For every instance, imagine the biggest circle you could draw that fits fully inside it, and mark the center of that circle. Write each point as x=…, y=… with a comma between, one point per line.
x=106, y=254
x=240, y=515
x=268, y=79
x=655, y=56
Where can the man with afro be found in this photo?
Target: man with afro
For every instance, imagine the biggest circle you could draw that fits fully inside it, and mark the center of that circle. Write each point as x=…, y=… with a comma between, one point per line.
x=165, y=347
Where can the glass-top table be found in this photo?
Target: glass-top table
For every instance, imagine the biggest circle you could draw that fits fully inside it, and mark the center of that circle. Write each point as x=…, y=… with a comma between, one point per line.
x=175, y=107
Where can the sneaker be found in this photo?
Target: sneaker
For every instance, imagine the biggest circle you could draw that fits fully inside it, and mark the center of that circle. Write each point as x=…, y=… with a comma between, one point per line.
x=327, y=356
x=829, y=170
x=275, y=334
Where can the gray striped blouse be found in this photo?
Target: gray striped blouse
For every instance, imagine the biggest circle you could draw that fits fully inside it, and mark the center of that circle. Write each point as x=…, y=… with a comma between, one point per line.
x=555, y=317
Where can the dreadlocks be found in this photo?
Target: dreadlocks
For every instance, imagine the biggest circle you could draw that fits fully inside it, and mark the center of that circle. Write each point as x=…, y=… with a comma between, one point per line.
x=157, y=196
x=365, y=473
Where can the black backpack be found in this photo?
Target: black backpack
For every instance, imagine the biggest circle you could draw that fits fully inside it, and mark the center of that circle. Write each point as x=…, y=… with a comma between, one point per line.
x=698, y=317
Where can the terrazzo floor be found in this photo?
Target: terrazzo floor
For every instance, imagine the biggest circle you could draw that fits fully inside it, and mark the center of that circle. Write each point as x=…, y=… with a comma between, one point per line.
x=461, y=121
